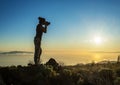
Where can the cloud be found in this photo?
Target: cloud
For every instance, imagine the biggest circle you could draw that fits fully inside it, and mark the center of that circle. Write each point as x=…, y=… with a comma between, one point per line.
x=105, y=52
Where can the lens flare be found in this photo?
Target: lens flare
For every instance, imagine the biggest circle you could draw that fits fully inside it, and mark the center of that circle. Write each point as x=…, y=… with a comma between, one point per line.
x=98, y=40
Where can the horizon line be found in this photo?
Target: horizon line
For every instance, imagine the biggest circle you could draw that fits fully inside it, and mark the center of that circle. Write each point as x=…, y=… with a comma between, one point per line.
x=30, y=52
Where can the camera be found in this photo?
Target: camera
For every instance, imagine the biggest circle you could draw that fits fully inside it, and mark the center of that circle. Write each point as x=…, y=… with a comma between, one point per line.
x=47, y=23
x=44, y=21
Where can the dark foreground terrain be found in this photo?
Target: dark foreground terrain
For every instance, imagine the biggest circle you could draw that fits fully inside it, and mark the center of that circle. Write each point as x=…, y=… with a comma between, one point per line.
x=52, y=73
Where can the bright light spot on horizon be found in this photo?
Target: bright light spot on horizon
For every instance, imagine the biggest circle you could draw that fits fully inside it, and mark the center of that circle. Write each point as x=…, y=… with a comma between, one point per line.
x=98, y=40
x=97, y=58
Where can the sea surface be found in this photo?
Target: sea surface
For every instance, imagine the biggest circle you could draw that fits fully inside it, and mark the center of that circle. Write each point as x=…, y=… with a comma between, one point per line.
x=24, y=59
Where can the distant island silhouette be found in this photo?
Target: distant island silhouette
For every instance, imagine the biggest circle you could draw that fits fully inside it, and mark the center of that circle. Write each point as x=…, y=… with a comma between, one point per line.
x=16, y=52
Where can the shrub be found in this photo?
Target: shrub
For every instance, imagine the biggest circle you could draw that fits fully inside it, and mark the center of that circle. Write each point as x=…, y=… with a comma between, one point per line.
x=118, y=72
x=106, y=76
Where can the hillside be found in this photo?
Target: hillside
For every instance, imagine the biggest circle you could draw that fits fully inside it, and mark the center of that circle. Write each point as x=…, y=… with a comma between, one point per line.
x=52, y=73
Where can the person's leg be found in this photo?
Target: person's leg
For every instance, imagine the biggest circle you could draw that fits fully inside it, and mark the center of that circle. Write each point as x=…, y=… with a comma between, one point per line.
x=40, y=52
x=36, y=54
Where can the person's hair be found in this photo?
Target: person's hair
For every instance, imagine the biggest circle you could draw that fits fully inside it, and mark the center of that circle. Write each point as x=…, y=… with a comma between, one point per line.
x=42, y=20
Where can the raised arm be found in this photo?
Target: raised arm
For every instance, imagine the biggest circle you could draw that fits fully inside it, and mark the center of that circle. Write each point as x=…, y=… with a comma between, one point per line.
x=44, y=29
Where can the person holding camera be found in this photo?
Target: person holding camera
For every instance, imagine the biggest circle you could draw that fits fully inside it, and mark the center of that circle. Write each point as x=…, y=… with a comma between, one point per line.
x=40, y=29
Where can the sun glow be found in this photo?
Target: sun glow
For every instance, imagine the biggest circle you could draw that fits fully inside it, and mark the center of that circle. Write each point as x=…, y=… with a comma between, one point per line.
x=97, y=58
x=98, y=40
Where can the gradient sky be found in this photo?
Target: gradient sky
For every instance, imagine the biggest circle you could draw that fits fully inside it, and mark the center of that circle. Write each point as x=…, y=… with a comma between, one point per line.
x=74, y=24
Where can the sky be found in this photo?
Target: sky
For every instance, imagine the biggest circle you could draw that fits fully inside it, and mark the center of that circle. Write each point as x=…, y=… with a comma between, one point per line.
x=76, y=25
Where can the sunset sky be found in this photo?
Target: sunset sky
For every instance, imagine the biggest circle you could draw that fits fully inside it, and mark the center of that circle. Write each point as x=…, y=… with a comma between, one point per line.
x=76, y=25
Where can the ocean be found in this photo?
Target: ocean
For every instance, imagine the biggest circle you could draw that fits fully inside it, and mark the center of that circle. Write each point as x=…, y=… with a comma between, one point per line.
x=24, y=59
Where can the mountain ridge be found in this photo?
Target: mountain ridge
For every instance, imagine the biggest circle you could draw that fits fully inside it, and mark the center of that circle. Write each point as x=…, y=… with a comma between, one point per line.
x=16, y=52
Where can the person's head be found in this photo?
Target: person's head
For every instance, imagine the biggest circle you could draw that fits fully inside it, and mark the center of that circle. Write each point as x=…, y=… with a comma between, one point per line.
x=41, y=20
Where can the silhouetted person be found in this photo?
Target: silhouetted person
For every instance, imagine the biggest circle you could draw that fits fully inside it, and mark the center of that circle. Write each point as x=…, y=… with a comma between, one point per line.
x=41, y=27
x=118, y=60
